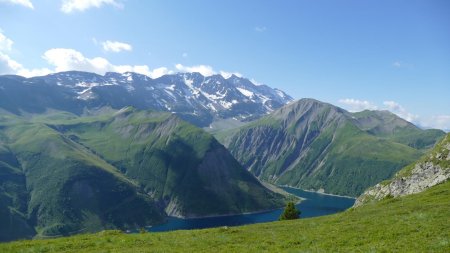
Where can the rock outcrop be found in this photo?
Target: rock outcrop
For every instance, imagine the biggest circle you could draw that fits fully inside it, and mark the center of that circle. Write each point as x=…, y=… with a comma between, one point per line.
x=431, y=170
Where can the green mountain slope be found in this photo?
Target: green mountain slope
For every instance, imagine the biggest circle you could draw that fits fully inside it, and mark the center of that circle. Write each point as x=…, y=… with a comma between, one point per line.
x=61, y=174
x=62, y=188
x=179, y=165
x=13, y=196
x=314, y=145
x=388, y=125
x=415, y=223
x=432, y=169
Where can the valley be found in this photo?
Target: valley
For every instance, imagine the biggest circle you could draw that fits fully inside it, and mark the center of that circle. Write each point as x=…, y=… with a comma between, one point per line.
x=224, y=126
x=76, y=164
x=391, y=223
x=317, y=146
x=74, y=159
x=63, y=174
x=398, y=225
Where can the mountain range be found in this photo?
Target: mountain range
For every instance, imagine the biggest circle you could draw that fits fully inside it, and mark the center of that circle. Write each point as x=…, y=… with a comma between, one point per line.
x=81, y=152
x=195, y=98
x=314, y=145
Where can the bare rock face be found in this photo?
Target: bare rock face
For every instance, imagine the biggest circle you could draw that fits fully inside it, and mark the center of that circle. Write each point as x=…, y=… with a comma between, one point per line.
x=425, y=174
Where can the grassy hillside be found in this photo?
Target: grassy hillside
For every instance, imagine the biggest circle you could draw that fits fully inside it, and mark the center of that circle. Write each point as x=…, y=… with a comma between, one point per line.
x=433, y=168
x=348, y=153
x=439, y=156
x=61, y=174
x=317, y=146
x=388, y=125
x=54, y=186
x=415, y=223
x=174, y=162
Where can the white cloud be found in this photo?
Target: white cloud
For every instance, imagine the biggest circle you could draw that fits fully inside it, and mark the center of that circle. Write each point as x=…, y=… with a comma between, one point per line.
x=227, y=75
x=184, y=55
x=33, y=72
x=435, y=121
x=158, y=72
x=400, y=64
x=5, y=43
x=356, y=105
x=25, y=3
x=260, y=29
x=10, y=66
x=255, y=82
x=69, y=6
x=439, y=122
x=202, y=69
x=205, y=70
x=65, y=59
x=396, y=108
x=116, y=46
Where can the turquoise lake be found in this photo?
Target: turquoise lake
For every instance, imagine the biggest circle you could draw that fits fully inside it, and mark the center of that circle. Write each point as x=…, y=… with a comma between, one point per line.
x=315, y=204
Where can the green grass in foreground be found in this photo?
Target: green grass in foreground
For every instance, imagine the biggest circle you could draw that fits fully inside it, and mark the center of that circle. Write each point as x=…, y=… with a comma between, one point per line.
x=415, y=223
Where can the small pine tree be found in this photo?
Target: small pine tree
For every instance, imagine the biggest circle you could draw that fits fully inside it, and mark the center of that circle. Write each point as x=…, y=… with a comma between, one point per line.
x=290, y=212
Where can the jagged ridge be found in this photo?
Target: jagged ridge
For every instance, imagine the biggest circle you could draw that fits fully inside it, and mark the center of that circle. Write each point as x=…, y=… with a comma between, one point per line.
x=194, y=97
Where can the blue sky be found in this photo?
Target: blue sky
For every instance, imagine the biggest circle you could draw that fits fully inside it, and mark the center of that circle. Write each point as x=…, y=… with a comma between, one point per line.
x=357, y=54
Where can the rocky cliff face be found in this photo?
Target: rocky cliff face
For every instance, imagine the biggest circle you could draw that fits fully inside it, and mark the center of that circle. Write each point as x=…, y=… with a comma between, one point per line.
x=431, y=170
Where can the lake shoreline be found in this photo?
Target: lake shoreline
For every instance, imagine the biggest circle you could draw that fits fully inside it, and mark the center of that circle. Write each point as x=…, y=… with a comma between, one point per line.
x=225, y=215
x=314, y=204
x=323, y=193
x=268, y=185
x=300, y=199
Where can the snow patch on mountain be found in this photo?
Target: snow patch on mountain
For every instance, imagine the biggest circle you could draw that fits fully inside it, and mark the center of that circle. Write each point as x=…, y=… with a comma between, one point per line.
x=182, y=93
x=245, y=92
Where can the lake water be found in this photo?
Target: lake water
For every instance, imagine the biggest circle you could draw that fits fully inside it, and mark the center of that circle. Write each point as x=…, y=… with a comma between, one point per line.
x=315, y=204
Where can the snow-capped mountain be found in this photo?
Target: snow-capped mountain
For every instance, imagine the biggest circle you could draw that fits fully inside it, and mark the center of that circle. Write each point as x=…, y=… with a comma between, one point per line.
x=196, y=98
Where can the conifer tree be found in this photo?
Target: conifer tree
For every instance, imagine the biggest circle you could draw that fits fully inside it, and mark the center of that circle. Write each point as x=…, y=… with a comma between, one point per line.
x=290, y=212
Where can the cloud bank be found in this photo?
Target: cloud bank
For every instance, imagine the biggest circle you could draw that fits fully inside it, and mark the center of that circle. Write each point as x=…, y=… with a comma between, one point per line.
x=5, y=43
x=66, y=59
x=70, y=6
x=356, y=105
x=24, y=3
x=435, y=121
x=116, y=46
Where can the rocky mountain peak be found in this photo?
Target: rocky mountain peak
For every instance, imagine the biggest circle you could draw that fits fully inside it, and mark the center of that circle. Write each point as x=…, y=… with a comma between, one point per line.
x=196, y=98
